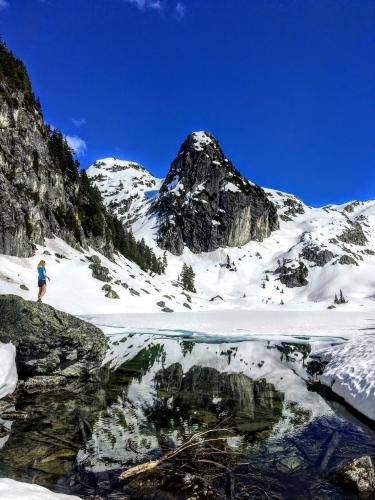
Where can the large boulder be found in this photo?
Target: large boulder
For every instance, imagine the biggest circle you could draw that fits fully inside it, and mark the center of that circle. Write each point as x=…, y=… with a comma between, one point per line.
x=358, y=476
x=48, y=341
x=205, y=203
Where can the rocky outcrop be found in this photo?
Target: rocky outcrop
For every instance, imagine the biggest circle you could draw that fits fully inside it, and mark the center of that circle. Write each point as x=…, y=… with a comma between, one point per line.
x=205, y=203
x=292, y=274
x=48, y=341
x=353, y=234
x=317, y=255
x=41, y=191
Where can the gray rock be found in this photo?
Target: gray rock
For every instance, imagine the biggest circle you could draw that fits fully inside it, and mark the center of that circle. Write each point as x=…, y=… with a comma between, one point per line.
x=317, y=255
x=213, y=205
x=110, y=294
x=358, y=476
x=216, y=298
x=24, y=287
x=185, y=304
x=353, y=234
x=347, y=260
x=45, y=338
x=293, y=276
x=100, y=272
x=167, y=310
x=60, y=256
x=45, y=383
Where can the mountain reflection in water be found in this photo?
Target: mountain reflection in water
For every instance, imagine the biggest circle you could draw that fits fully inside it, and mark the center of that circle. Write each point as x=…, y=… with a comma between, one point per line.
x=155, y=394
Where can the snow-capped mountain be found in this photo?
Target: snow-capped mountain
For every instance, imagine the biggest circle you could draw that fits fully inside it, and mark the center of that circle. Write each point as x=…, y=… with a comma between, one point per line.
x=310, y=255
x=126, y=187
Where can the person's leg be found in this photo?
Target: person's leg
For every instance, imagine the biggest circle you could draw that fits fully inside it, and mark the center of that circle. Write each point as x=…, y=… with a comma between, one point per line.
x=40, y=292
x=43, y=291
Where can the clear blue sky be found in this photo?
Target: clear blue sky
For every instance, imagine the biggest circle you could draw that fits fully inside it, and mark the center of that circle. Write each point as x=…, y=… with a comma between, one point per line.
x=287, y=86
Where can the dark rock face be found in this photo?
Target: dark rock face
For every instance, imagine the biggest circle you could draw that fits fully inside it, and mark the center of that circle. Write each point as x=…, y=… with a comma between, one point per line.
x=293, y=276
x=49, y=342
x=205, y=203
x=353, y=234
x=317, y=255
x=347, y=260
x=34, y=192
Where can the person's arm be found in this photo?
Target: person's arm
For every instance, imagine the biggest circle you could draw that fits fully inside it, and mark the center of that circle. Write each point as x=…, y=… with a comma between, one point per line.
x=45, y=275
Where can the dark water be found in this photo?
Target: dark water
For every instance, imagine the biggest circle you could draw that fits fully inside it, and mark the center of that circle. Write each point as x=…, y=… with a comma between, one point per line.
x=266, y=435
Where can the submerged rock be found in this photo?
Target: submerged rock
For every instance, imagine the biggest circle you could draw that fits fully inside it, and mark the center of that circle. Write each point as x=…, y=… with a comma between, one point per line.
x=48, y=341
x=358, y=476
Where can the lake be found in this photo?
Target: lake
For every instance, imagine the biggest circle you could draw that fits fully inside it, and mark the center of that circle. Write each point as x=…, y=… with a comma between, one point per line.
x=255, y=429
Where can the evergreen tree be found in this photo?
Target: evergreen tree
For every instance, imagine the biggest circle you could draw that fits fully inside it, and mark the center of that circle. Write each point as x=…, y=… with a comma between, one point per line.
x=267, y=278
x=336, y=299
x=342, y=298
x=14, y=75
x=165, y=262
x=187, y=278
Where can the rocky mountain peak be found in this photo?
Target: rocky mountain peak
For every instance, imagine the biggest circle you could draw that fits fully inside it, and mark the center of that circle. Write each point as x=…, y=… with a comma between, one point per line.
x=205, y=203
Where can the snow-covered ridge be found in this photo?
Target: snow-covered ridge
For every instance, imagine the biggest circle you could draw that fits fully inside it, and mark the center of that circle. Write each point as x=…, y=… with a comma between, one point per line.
x=126, y=186
x=336, y=243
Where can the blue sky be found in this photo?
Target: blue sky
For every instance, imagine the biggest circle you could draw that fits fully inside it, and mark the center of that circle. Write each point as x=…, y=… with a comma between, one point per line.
x=287, y=86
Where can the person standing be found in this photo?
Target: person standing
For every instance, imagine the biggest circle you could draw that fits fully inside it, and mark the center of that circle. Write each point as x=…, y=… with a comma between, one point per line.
x=42, y=279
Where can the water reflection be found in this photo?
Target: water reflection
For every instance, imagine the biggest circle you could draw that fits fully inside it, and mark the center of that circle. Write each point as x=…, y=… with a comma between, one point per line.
x=158, y=392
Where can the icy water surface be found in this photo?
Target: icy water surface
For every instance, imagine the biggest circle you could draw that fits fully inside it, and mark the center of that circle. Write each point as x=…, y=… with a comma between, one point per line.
x=266, y=435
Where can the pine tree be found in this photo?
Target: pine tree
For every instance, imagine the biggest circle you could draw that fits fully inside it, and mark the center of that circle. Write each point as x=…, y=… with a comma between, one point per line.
x=187, y=278
x=267, y=278
x=165, y=262
x=263, y=285
x=342, y=298
x=281, y=302
x=336, y=299
x=228, y=262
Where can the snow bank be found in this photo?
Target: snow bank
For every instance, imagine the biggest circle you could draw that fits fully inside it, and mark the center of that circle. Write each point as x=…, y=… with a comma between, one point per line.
x=8, y=370
x=15, y=490
x=350, y=373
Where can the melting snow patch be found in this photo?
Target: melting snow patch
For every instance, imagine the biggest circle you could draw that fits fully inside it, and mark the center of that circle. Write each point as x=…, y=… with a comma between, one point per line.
x=15, y=490
x=8, y=370
x=350, y=373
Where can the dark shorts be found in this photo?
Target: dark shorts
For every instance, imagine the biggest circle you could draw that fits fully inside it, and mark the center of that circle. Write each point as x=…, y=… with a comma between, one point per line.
x=41, y=283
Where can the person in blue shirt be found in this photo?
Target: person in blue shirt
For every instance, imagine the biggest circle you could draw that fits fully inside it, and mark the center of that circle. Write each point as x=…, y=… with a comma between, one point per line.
x=42, y=279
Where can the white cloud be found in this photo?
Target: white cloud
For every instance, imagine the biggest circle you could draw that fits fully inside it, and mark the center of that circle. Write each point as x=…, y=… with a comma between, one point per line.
x=180, y=11
x=147, y=4
x=78, y=122
x=78, y=145
x=4, y=4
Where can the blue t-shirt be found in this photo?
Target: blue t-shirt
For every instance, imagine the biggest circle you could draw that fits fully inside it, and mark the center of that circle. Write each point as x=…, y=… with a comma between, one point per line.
x=41, y=271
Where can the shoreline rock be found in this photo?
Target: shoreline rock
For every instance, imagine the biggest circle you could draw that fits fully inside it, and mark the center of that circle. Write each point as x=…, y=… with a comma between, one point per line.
x=48, y=341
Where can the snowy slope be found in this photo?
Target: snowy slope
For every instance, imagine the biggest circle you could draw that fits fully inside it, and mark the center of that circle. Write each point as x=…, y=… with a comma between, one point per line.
x=335, y=243
x=127, y=187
